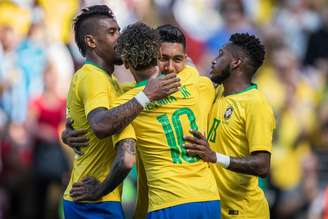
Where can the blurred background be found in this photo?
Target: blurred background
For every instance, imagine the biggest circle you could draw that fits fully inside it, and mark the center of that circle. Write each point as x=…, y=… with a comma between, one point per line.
x=38, y=57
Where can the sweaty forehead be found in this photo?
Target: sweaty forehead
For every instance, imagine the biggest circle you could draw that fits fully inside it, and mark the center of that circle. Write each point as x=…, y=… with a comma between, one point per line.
x=172, y=49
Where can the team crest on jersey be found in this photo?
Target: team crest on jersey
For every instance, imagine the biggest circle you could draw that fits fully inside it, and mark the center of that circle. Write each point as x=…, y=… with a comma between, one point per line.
x=228, y=113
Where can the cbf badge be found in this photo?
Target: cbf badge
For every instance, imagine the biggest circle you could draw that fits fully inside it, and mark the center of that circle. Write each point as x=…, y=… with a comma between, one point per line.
x=228, y=113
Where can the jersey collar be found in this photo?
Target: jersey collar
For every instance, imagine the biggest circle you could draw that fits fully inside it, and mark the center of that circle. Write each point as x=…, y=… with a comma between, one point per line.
x=89, y=62
x=252, y=86
x=141, y=83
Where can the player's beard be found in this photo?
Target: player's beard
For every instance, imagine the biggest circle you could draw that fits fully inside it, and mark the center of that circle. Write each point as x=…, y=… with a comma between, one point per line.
x=117, y=59
x=219, y=79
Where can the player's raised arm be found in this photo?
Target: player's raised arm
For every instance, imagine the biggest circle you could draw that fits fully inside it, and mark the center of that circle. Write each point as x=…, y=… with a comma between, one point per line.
x=106, y=122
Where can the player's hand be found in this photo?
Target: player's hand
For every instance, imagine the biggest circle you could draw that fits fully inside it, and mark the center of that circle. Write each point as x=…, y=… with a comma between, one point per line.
x=74, y=138
x=89, y=189
x=158, y=88
x=198, y=145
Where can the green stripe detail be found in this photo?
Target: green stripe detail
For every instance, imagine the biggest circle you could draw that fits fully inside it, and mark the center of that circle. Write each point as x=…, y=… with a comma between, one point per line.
x=141, y=83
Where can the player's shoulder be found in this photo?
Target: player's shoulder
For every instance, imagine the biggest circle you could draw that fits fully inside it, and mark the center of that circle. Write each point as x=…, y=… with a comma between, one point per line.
x=192, y=69
x=257, y=100
x=89, y=72
x=189, y=73
x=127, y=95
x=257, y=96
x=206, y=81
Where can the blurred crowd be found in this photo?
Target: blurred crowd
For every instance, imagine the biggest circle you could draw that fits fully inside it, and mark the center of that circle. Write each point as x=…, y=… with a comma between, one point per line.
x=38, y=57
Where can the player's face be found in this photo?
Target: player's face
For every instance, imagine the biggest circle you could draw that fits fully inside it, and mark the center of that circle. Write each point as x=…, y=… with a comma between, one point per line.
x=220, y=69
x=108, y=32
x=173, y=58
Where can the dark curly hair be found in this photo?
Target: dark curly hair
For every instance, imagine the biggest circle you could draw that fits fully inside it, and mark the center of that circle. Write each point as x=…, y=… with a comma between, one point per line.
x=171, y=34
x=82, y=28
x=139, y=46
x=252, y=46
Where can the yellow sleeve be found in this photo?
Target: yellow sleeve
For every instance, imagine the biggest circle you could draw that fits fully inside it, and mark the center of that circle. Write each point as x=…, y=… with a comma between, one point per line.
x=259, y=126
x=93, y=89
x=128, y=132
x=207, y=93
x=142, y=191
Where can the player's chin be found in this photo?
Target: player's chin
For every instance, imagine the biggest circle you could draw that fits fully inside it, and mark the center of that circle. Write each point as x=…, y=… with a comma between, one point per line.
x=212, y=75
x=215, y=78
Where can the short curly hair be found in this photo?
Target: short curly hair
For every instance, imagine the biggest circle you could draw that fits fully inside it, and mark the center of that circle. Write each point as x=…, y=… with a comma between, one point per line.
x=139, y=46
x=252, y=46
x=82, y=28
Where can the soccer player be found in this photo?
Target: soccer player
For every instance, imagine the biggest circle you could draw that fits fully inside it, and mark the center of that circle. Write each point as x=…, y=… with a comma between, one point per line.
x=173, y=60
x=175, y=180
x=240, y=130
x=92, y=89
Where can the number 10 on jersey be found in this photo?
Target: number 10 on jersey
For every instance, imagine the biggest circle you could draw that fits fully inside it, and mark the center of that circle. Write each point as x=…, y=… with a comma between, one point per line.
x=175, y=138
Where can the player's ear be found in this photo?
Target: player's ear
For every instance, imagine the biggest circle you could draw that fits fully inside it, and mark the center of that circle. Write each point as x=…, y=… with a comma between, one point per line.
x=235, y=63
x=90, y=41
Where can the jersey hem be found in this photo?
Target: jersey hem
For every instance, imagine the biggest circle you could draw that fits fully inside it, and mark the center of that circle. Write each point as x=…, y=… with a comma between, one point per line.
x=260, y=148
x=98, y=201
x=180, y=202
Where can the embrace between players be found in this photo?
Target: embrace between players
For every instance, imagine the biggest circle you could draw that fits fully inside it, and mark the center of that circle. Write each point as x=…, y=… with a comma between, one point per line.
x=199, y=144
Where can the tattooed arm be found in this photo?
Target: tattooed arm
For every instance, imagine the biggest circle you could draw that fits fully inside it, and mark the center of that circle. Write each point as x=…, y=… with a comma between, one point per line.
x=105, y=122
x=257, y=164
x=90, y=189
x=108, y=122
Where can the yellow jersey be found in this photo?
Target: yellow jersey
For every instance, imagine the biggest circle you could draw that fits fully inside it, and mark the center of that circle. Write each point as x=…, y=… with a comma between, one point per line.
x=239, y=125
x=173, y=177
x=91, y=88
x=142, y=190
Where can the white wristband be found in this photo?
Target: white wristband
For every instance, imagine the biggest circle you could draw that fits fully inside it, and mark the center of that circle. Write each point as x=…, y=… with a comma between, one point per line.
x=223, y=160
x=142, y=99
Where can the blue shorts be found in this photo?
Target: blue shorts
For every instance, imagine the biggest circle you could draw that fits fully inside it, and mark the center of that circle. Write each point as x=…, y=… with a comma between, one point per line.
x=101, y=210
x=194, y=210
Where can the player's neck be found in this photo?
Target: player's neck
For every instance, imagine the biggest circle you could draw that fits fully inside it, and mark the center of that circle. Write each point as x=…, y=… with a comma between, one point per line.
x=146, y=74
x=235, y=85
x=99, y=62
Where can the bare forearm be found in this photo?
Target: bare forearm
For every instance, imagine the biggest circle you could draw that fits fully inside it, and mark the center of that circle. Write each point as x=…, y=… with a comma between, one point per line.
x=251, y=165
x=109, y=122
x=118, y=174
x=258, y=163
x=122, y=165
